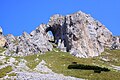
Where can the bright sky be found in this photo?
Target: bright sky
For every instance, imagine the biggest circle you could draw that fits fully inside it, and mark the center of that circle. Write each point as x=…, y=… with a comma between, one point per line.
x=17, y=16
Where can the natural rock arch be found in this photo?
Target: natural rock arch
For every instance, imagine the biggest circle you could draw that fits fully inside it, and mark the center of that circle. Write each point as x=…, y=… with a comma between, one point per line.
x=56, y=31
x=50, y=29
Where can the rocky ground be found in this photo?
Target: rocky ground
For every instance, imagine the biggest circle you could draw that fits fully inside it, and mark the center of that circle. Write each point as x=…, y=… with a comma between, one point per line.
x=42, y=72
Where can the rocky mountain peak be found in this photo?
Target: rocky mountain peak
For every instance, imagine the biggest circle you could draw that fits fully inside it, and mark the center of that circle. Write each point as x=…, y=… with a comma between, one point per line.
x=83, y=36
x=77, y=33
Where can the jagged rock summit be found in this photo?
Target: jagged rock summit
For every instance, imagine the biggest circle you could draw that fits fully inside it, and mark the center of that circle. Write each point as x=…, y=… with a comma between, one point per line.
x=27, y=44
x=77, y=33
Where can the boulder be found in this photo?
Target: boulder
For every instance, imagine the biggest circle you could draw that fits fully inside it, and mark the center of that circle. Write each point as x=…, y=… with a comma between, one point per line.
x=115, y=43
x=2, y=41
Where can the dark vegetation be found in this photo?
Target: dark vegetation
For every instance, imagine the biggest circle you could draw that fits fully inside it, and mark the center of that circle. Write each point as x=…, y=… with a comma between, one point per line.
x=96, y=69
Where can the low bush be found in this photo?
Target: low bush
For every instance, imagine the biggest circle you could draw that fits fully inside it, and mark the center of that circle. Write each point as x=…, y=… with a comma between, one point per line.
x=97, y=71
x=87, y=67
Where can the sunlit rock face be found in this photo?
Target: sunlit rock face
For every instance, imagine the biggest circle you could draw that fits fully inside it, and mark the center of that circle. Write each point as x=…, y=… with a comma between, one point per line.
x=82, y=35
x=27, y=44
x=2, y=41
x=2, y=38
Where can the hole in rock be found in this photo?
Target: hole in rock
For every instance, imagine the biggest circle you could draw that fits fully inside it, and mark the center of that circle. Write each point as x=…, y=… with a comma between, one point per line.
x=50, y=34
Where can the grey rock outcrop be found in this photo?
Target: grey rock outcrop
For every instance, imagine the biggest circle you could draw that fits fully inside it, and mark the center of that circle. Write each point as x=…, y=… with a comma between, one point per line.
x=2, y=41
x=1, y=31
x=83, y=36
x=2, y=38
x=27, y=44
x=115, y=43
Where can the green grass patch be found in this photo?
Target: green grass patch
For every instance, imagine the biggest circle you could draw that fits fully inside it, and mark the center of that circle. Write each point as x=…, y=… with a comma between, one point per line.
x=1, y=63
x=113, y=56
x=5, y=70
x=1, y=49
x=31, y=61
x=12, y=74
x=32, y=64
x=30, y=57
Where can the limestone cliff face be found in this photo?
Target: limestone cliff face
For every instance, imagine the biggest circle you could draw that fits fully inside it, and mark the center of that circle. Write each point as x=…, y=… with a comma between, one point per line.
x=81, y=35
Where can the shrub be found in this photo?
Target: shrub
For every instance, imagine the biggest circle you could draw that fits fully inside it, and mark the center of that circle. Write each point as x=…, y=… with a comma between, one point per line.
x=97, y=71
x=87, y=67
x=74, y=62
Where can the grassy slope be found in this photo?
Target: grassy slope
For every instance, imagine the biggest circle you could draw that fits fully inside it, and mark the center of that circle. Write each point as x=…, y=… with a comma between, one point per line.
x=4, y=71
x=2, y=50
x=59, y=61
